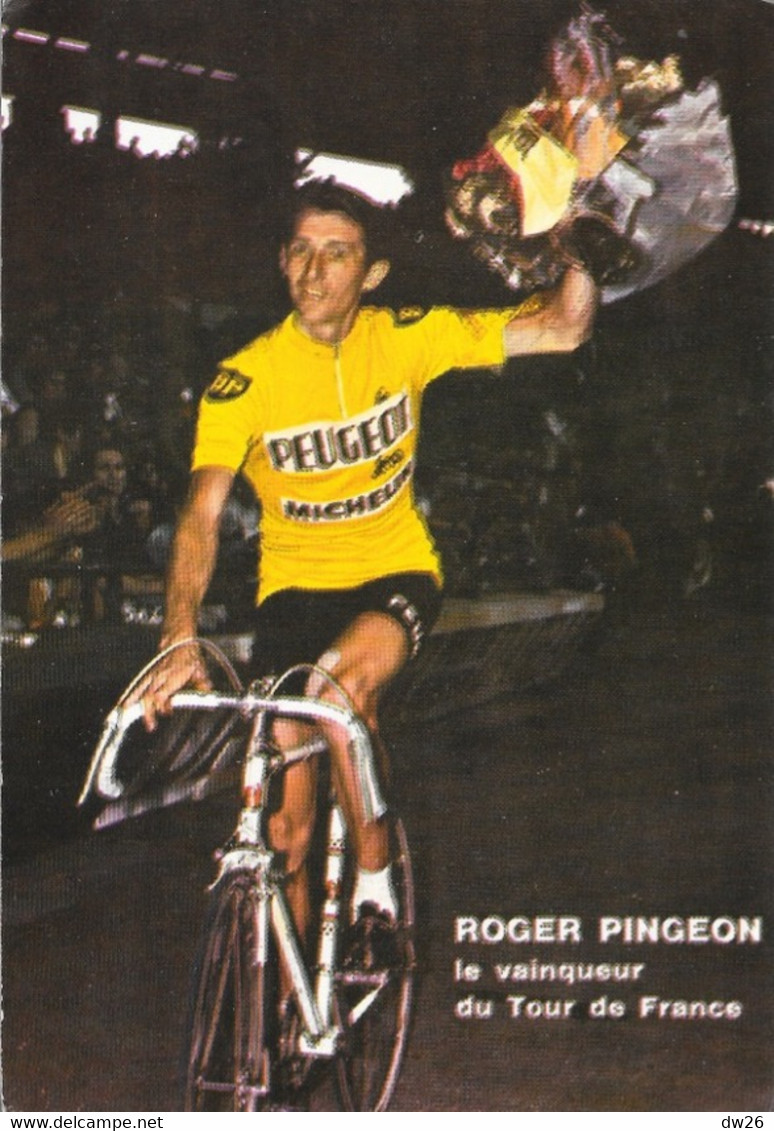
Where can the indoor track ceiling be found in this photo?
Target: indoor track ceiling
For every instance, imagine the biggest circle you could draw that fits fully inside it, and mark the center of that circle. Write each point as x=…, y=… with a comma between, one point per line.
x=399, y=80
x=416, y=83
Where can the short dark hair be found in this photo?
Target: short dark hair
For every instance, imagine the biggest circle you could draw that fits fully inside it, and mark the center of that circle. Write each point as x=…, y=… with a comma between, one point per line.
x=328, y=196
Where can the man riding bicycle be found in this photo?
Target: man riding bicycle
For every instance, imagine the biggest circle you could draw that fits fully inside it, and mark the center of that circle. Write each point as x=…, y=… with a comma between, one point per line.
x=320, y=414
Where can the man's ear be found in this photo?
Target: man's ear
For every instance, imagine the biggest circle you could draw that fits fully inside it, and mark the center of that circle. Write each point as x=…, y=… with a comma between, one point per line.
x=283, y=260
x=376, y=274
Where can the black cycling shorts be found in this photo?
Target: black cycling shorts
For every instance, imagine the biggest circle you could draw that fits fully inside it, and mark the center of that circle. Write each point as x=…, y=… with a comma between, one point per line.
x=296, y=626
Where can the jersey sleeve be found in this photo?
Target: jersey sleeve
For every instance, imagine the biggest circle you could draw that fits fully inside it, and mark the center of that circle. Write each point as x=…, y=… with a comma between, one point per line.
x=465, y=339
x=229, y=417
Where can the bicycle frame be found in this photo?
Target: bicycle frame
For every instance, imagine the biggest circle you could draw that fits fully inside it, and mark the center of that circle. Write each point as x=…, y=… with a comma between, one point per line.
x=248, y=849
x=320, y=1035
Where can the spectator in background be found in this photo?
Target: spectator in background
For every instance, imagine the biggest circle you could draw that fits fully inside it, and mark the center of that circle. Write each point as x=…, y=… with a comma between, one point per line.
x=42, y=458
x=34, y=599
x=24, y=366
x=71, y=516
x=99, y=397
x=29, y=477
x=52, y=396
x=115, y=549
x=66, y=442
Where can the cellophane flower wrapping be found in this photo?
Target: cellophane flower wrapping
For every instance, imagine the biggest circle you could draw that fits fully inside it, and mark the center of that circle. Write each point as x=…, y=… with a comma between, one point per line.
x=615, y=166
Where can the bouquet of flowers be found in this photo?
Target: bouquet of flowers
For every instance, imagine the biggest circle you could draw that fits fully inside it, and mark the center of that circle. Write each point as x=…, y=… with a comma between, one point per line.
x=615, y=165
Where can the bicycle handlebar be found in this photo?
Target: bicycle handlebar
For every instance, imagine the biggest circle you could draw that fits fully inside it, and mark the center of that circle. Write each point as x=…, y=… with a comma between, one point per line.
x=102, y=771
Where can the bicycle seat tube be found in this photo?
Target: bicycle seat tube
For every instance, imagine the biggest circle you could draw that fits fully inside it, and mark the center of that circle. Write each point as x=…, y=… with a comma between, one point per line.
x=261, y=763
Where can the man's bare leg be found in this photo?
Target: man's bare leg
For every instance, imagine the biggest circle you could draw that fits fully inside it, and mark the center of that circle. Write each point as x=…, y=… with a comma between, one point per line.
x=290, y=828
x=363, y=661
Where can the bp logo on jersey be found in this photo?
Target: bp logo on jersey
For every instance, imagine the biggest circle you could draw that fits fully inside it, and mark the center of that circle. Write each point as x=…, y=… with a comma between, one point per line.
x=408, y=315
x=227, y=386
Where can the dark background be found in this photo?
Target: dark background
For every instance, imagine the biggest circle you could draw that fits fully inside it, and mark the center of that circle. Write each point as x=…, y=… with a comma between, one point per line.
x=641, y=783
x=391, y=80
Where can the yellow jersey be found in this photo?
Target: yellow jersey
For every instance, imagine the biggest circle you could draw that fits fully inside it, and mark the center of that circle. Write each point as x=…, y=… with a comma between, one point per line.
x=327, y=436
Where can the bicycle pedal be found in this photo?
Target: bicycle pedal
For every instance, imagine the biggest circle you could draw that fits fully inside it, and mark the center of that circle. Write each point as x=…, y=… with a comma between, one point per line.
x=373, y=944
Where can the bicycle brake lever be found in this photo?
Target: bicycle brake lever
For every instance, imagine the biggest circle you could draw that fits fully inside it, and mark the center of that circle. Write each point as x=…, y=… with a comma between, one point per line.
x=101, y=775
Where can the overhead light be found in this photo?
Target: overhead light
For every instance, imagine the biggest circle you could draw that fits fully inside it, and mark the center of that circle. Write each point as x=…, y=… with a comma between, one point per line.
x=6, y=110
x=80, y=123
x=144, y=59
x=379, y=182
x=28, y=36
x=66, y=44
x=146, y=138
x=151, y=61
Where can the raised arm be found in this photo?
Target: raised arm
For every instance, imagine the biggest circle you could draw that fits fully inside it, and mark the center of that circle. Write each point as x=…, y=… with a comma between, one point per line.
x=562, y=324
x=194, y=553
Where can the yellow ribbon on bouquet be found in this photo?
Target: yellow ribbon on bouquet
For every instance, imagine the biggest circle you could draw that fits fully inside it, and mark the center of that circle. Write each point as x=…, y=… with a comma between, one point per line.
x=545, y=169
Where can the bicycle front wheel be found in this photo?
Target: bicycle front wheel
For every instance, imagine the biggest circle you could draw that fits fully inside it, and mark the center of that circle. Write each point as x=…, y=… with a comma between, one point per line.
x=374, y=1007
x=228, y=1064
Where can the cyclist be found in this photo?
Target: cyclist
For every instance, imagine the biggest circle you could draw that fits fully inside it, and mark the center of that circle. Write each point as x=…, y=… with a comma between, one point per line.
x=320, y=414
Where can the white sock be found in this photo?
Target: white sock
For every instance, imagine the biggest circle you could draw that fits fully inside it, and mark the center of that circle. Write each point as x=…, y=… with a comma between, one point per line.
x=376, y=888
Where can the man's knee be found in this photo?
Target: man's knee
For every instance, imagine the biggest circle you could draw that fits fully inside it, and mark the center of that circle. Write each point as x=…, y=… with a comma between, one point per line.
x=360, y=664
x=382, y=638
x=350, y=687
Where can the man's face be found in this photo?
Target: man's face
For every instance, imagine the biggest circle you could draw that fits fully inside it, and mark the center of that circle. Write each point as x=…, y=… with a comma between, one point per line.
x=326, y=269
x=110, y=472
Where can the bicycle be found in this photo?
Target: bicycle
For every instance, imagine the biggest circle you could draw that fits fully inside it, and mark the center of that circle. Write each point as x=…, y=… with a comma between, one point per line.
x=246, y=1050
